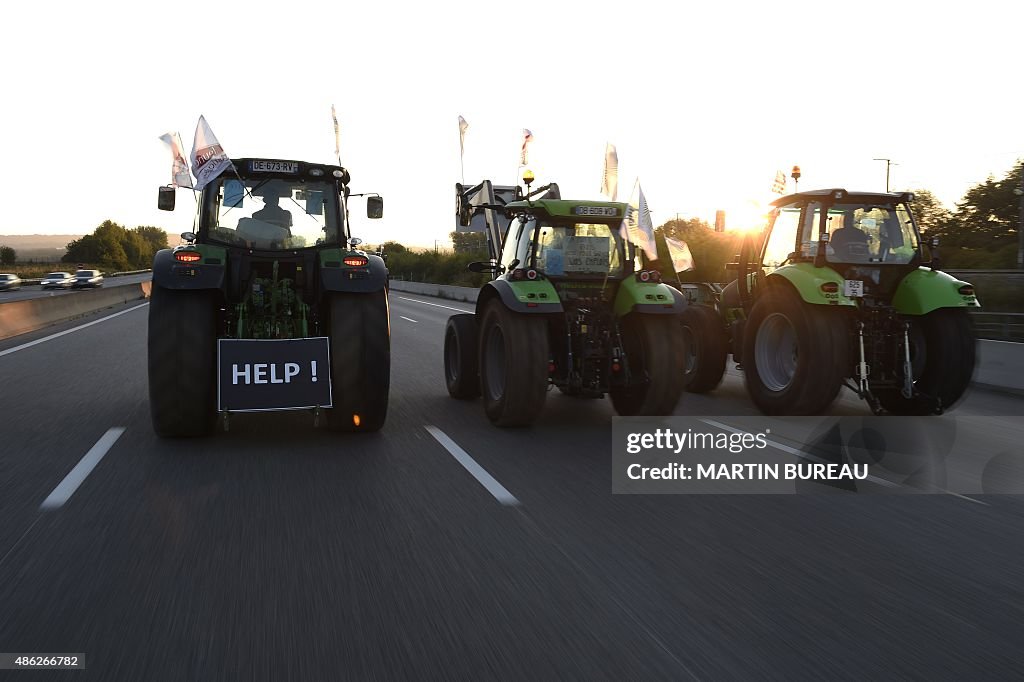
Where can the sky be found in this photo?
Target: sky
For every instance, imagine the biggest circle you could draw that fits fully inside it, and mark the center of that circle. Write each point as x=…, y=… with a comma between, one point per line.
x=704, y=101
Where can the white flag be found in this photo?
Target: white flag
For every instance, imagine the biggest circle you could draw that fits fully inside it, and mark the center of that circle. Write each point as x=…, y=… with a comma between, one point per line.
x=337, y=135
x=463, y=127
x=637, y=227
x=208, y=157
x=610, y=182
x=527, y=139
x=682, y=259
x=779, y=186
x=179, y=165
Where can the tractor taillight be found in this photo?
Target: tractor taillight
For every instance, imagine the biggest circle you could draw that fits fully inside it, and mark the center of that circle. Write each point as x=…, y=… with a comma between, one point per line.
x=616, y=367
x=551, y=367
x=830, y=288
x=966, y=290
x=645, y=276
x=531, y=274
x=355, y=261
x=187, y=256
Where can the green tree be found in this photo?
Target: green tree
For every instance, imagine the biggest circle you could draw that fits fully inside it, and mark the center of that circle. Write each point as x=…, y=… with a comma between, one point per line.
x=930, y=214
x=710, y=250
x=8, y=256
x=392, y=247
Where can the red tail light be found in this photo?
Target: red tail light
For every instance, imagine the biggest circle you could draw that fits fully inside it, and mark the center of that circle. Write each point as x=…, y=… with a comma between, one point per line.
x=966, y=290
x=356, y=261
x=187, y=256
x=830, y=287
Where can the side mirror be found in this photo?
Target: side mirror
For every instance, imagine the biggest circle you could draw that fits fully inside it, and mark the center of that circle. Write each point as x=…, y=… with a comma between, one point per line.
x=165, y=199
x=189, y=237
x=484, y=266
x=374, y=207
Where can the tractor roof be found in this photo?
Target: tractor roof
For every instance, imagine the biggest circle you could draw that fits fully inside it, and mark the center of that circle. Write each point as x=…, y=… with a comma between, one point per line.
x=840, y=194
x=285, y=168
x=568, y=208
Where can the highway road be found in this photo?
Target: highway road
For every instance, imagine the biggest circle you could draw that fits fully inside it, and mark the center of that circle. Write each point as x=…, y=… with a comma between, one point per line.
x=279, y=551
x=36, y=291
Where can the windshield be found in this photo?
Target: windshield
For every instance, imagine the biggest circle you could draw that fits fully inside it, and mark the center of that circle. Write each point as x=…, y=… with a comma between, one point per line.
x=263, y=213
x=84, y=273
x=863, y=233
x=578, y=249
x=57, y=275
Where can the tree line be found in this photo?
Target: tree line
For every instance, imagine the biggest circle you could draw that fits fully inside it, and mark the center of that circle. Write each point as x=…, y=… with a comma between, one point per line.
x=114, y=247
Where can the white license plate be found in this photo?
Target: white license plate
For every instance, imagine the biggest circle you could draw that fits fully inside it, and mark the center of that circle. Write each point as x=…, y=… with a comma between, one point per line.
x=604, y=211
x=853, y=288
x=263, y=166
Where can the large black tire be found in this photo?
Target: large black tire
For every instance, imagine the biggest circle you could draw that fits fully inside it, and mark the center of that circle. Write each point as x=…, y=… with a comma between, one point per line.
x=461, y=368
x=513, y=354
x=942, y=356
x=360, y=331
x=655, y=352
x=182, y=362
x=795, y=354
x=707, y=347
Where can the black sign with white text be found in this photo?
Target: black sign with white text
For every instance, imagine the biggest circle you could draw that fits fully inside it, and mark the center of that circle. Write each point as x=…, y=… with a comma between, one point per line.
x=283, y=374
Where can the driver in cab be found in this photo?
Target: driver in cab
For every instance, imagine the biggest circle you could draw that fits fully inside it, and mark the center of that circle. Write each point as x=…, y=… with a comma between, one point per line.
x=272, y=212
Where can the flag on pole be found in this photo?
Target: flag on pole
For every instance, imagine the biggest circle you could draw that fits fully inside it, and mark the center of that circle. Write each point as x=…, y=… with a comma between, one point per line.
x=679, y=252
x=179, y=164
x=463, y=127
x=779, y=186
x=337, y=135
x=637, y=227
x=208, y=157
x=610, y=182
x=527, y=139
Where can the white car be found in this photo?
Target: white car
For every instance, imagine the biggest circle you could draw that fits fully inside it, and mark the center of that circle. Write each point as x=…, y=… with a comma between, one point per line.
x=87, y=278
x=57, y=280
x=9, y=282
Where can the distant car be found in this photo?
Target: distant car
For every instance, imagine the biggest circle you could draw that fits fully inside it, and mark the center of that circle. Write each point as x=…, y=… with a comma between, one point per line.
x=57, y=280
x=87, y=278
x=9, y=282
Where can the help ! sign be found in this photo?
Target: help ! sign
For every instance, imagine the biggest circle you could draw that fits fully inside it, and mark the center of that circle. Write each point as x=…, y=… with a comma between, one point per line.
x=286, y=374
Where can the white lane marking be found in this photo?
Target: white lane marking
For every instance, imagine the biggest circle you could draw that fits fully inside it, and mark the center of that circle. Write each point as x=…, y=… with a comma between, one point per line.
x=407, y=318
x=812, y=458
x=68, y=331
x=477, y=471
x=436, y=305
x=63, y=492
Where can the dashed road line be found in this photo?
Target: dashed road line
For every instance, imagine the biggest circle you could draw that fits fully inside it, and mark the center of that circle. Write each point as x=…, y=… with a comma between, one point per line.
x=407, y=318
x=63, y=492
x=478, y=472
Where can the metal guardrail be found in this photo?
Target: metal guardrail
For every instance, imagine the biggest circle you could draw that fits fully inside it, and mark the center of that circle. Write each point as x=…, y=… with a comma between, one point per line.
x=999, y=326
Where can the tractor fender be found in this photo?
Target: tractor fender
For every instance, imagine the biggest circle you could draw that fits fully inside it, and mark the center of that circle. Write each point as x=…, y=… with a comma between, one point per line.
x=206, y=273
x=807, y=280
x=648, y=298
x=336, y=276
x=925, y=290
x=520, y=299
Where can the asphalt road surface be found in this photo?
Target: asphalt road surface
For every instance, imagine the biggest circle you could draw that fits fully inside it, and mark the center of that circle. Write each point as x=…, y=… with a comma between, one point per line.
x=36, y=291
x=279, y=551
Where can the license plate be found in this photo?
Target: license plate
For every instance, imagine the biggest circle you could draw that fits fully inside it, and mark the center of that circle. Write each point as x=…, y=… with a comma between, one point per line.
x=264, y=166
x=603, y=211
x=287, y=374
x=853, y=288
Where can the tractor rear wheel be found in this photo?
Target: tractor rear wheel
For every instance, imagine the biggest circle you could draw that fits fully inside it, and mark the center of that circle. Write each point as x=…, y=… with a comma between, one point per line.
x=942, y=357
x=513, y=354
x=461, y=368
x=655, y=351
x=360, y=360
x=794, y=354
x=182, y=362
x=707, y=346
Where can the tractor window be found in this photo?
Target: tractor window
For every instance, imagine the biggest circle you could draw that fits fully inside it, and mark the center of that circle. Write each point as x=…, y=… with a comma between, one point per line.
x=272, y=213
x=864, y=233
x=516, y=246
x=783, y=226
x=578, y=249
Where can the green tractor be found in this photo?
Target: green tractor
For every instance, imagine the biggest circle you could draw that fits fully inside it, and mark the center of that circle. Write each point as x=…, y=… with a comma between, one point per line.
x=269, y=305
x=566, y=308
x=841, y=291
